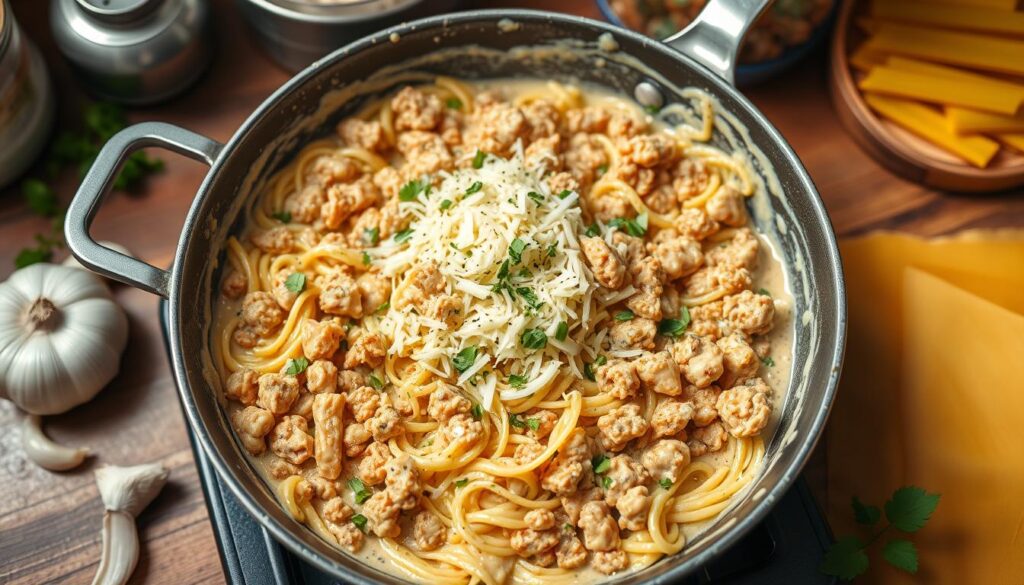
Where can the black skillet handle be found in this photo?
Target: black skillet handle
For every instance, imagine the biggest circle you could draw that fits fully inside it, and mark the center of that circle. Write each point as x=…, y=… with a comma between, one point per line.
x=713, y=39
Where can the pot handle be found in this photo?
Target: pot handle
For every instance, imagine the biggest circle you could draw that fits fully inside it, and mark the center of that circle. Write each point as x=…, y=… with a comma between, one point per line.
x=96, y=186
x=713, y=39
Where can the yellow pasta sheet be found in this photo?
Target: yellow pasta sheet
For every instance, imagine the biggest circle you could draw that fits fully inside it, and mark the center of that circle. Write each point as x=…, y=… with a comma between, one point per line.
x=956, y=48
x=955, y=16
x=932, y=394
x=931, y=125
x=1000, y=4
x=865, y=59
x=965, y=121
x=977, y=80
x=940, y=90
x=1014, y=141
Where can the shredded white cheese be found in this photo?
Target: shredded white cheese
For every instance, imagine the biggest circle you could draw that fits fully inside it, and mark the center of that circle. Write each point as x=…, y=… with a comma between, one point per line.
x=473, y=227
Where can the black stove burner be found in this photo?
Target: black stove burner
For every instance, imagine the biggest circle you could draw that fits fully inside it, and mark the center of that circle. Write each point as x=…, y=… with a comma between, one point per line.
x=785, y=549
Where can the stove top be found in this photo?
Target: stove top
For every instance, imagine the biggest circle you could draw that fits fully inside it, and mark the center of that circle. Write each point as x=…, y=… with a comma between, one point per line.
x=785, y=549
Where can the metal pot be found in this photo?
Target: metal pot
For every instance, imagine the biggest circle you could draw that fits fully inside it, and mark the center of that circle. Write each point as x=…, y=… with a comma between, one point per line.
x=483, y=44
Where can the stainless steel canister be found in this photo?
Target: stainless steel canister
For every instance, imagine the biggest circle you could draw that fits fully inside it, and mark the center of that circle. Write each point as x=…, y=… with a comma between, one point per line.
x=26, y=99
x=134, y=51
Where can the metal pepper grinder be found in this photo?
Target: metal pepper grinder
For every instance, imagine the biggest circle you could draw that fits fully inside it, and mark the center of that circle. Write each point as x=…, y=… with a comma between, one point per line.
x=134, y=51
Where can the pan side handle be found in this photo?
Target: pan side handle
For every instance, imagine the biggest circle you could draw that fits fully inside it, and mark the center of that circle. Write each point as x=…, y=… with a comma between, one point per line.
x=713, y=39
x=96, y=185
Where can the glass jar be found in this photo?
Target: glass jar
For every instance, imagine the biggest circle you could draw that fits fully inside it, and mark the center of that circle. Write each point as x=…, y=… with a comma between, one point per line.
x=26, y=99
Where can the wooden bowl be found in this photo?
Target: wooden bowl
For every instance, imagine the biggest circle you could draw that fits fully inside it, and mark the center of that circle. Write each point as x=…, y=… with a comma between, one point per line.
x=895, y=148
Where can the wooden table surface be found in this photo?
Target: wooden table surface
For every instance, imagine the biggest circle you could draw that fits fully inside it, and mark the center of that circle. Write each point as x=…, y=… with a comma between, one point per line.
x=49, y=523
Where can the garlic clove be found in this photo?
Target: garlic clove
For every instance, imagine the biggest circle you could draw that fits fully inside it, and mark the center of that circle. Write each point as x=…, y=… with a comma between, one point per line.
x=120, y=551
x=125, y=492
x=46, y=453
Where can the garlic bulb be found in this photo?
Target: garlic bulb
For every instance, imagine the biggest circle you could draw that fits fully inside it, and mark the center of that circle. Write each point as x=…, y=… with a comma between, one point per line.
x=61, y=338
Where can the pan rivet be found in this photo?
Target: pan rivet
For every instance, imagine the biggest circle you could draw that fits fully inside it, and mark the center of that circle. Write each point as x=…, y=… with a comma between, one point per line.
x=648, y=95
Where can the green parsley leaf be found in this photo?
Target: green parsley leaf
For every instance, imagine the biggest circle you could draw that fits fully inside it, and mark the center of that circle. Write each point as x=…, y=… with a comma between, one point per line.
x=562, y=331
x=592, y=230
x=517, y=381
x=403, y=236
x=359, y=489
x=453, y=103
x=600, y=463
x=516, y=421
x=552, y=250
x=383, y=307
x=568, y=527
x=477, y=411
x=465, y=359
x=845, y=559
x=515, y=250
x=652, y=109
x=503, y=270
x=411, y=190
x=30, y=256
x=901, y=554
x=478, y=159
x=39, y=197
x=474, y=188
x=445, y=204
x=588, y=372
x=626, y=315
x=366, y=259
x=768, y=361
x=360, y=521
x=602, y=169
x=600, y=360
x=564, y=193
x=371, y=235
x=537, y=197
x=635, y=227
x=533, y=423
x=866, y=515
x=606, y=482
x=910, y=508
x=530, y=297
x=296, y=366
x=534, y=339
x=665, y=483
x=282, y=216
x=375, y=382
x=461, y=482
x=671, y=327
x=764, y=292
x=296, y=282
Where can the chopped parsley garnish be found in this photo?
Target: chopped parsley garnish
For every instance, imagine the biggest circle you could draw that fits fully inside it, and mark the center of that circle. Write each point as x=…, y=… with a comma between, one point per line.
x=461, y=482
x=592, y=230
x=515, y=250
x=635, y=227
x=478, y=159
x=764, y=292
x=359, y=489
x=606, y=482
x=529, y=296
x=602, y=169
x=465, y=359
x=383, y=307
x=517, y=381
x=675, y=327
x=533, y=423
x=524, y=273
x=562, y=331
x=366, y=259
x=652, y=109
x=534, y=339
x=403, y=236
x=589, y=369
x=537, y=197
x=568, y=527
x=477, y=411
x=768, y=361
x=360, y=521
x=296, y=282
x=453, y=103
x=552, y=250
x=446, y=204
x=296, y=366
x=282, y=216
x=474, y=188
x=601, y=463
x=371, y=235
x=503, y=270
x=411, y=190
x=564, y=193
x=626, y=315
x=516, y=421
x=375, y=382
x=665, y=483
